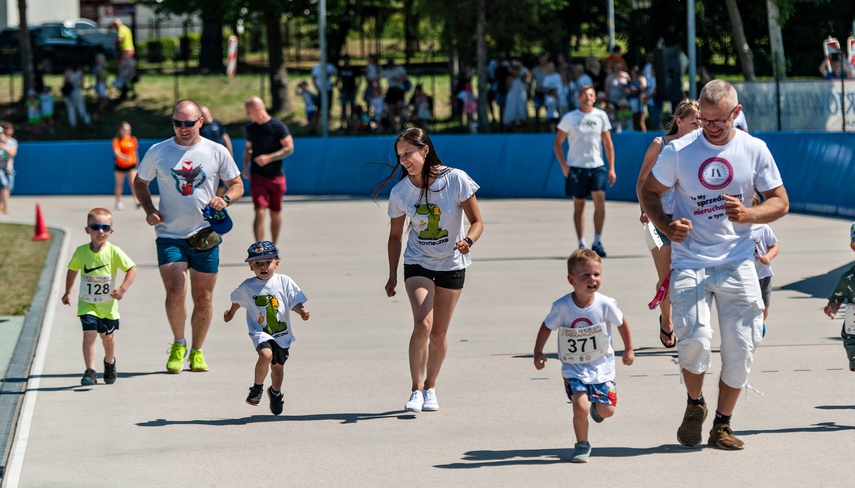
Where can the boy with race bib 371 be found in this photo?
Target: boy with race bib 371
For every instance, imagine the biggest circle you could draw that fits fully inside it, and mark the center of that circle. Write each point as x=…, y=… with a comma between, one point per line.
x=269, y=298
x=584, y=321
x=97, y=305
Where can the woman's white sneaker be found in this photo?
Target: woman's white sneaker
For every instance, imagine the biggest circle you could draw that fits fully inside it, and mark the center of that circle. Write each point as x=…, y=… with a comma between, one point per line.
x=430, y=403
x=415, y=403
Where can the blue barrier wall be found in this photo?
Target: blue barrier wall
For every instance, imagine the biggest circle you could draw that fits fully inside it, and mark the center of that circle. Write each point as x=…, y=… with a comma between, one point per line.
x=818, y=168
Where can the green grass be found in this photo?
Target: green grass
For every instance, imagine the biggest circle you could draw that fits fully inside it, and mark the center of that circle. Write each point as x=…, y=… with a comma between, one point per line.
x=21, y=263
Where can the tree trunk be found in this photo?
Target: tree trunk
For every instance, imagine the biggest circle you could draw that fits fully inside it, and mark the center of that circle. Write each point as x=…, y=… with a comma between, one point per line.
x=453, y=67
x=776, y=40
x=276, y=70
x=746, y=58
x=481, y=49
x=408, y=31
x=25, y=49
x=211, y=49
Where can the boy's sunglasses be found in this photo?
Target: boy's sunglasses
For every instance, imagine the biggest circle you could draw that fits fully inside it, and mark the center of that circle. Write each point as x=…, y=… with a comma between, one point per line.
x=185, y=123
x=104, y=227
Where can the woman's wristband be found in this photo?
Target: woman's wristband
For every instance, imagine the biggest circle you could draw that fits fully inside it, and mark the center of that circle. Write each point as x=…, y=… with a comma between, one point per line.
x=469, y=241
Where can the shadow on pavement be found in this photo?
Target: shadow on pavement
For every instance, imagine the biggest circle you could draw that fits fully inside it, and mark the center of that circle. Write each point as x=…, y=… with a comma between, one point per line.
x=530, y=457
x=814, y=428
x=344, y=418
x=819, y=286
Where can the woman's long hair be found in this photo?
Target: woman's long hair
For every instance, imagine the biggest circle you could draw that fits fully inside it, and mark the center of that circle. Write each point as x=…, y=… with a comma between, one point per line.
x=432, y=169
x=683, y=109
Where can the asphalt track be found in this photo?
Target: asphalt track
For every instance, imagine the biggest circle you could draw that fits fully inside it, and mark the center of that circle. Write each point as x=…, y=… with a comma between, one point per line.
x=501, y=423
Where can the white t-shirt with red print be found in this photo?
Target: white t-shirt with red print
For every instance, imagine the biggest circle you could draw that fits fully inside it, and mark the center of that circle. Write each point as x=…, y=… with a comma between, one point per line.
x=187, y=179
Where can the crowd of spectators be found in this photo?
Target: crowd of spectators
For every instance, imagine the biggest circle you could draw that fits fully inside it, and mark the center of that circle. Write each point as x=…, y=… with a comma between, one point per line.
x=377, y=98
x=389, y=101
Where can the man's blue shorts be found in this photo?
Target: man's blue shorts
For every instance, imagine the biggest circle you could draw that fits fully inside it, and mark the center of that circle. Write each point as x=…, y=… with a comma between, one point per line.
x=581, y=182
x=179, y=251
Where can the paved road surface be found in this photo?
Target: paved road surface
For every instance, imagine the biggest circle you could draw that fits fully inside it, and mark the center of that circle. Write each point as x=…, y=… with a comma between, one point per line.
x=501, y=423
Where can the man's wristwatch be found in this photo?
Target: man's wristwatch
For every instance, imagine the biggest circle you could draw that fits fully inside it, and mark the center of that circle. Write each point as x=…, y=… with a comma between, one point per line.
x=227, y=199
x=469, y=241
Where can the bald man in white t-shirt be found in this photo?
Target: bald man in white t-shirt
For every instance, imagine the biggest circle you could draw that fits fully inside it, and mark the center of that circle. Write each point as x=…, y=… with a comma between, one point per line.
x=714, y=173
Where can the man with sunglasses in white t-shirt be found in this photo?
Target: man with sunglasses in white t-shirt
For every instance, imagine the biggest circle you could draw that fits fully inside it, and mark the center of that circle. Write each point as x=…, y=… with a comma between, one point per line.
x=188, y=169
x=715, y=172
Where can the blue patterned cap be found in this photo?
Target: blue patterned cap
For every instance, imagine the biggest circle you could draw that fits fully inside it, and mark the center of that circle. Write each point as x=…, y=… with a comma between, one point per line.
x=261, y=250
x=220, y=221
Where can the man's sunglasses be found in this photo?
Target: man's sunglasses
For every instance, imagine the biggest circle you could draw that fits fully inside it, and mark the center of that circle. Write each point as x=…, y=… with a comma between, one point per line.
x=185, y=123
x=104, y=227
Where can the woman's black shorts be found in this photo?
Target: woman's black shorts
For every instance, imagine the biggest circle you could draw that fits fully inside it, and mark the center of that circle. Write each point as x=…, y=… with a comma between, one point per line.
x=452, y=280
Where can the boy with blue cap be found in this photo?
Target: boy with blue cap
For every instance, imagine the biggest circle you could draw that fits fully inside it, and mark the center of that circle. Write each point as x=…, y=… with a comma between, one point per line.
x=268, y=299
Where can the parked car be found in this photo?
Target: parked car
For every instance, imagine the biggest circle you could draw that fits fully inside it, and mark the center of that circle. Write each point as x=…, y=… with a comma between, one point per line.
x=57, y=45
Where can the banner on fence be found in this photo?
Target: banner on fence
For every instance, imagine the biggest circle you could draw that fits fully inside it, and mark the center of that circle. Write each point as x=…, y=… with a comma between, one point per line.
x=821, y=105
x=851, y=47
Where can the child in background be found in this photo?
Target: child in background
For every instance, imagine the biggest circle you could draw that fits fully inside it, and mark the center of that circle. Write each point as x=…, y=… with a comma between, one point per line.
x=470, y=104
x=97, y=305
x=34, y=112
x=378, y=104
x=125, y=159
x=360, y=122
x=269, y=299
x=844, y=292
x=552, y=113
x=765, y=250
x=584, y=321
x=46, y=100
x=424, y=111
x=310, y=100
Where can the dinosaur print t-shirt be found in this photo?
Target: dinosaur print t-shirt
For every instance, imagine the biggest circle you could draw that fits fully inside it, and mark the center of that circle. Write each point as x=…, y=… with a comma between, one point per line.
x=268, y=307
x=187, y=179
x=435, y=225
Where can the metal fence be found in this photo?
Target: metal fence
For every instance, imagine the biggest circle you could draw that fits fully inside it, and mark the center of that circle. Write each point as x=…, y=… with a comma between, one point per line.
x=820, y=105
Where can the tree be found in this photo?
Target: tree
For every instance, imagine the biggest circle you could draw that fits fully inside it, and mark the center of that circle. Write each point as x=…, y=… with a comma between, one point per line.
x=481, y=48
x=213, y=14
x=776, y=39
x=24, y=47
x=276, y=69
x=743, y=51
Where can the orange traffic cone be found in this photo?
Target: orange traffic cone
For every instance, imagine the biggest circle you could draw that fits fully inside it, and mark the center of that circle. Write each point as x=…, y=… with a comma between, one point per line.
x=41, y=233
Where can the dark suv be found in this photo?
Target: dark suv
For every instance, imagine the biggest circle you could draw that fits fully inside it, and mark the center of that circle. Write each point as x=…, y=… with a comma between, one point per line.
x=56, y=45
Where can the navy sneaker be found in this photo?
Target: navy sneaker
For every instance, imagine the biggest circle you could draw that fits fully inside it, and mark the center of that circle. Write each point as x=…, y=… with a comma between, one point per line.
x=110, y=372
x=598, y=248
x=89, y=378
x=276, y=402
x=255, y=393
